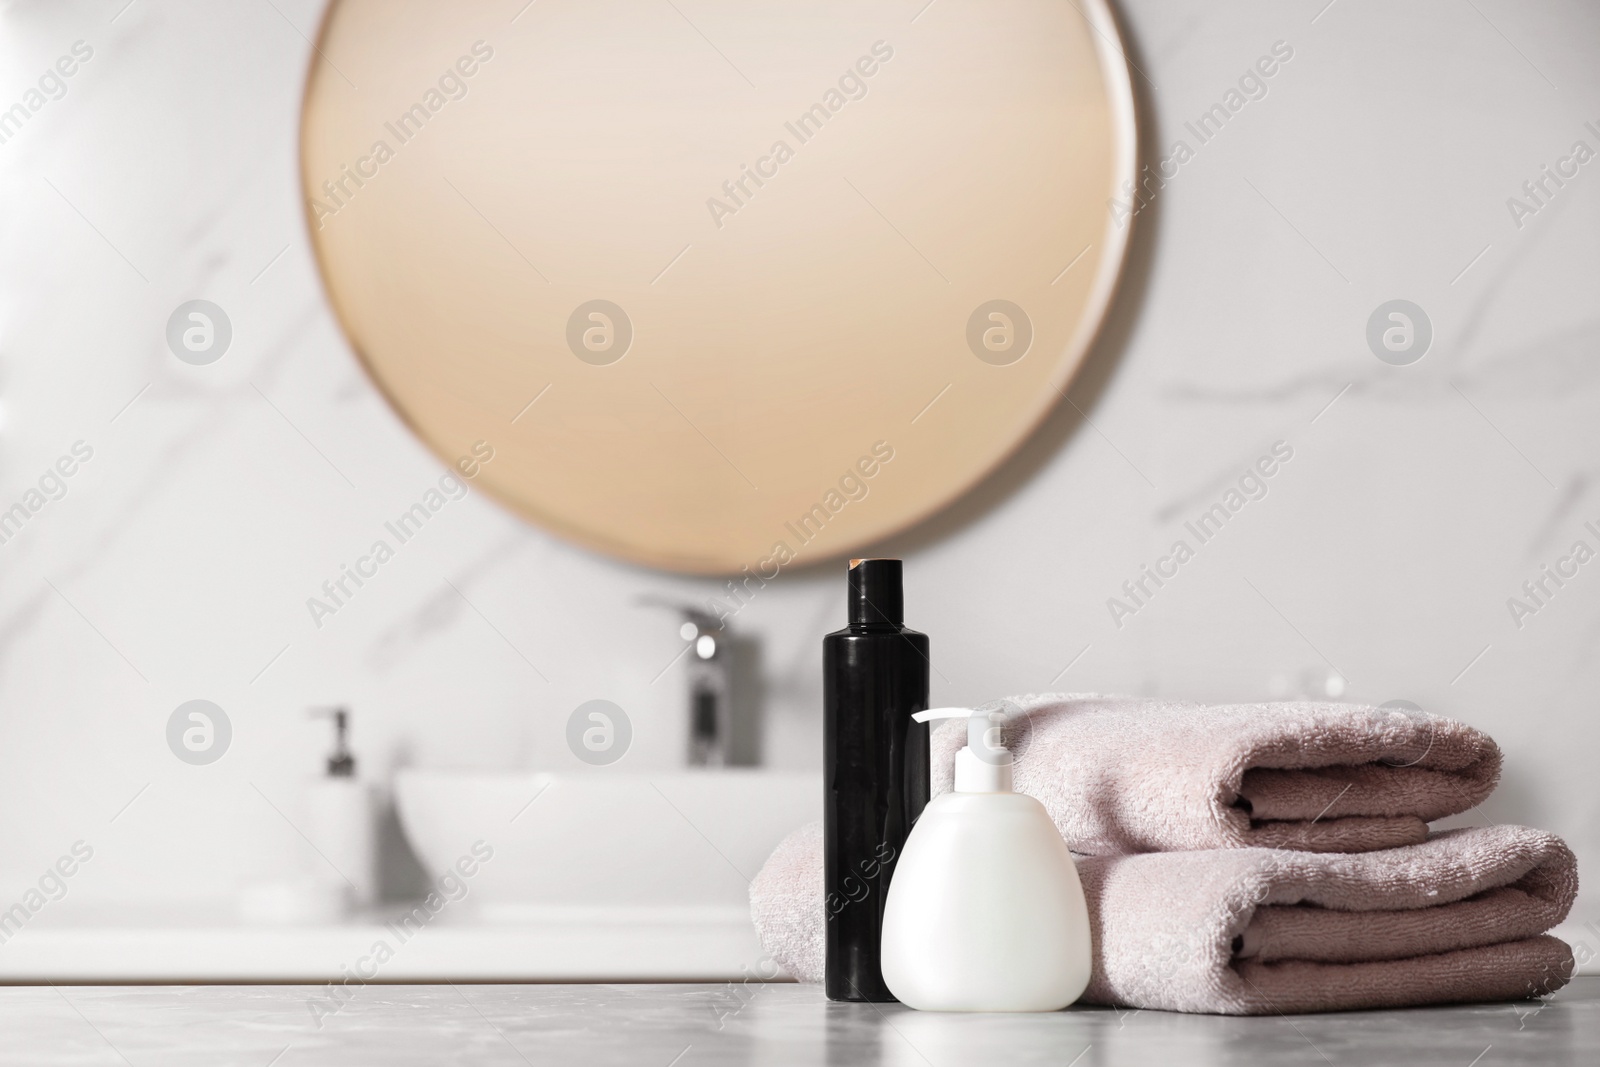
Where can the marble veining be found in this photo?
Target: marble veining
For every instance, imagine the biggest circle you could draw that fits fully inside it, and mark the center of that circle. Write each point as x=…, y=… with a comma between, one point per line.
x=692, y=1025
x=178, y=565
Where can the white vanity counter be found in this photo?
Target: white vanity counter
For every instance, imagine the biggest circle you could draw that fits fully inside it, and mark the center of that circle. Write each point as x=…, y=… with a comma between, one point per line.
x=670, y=945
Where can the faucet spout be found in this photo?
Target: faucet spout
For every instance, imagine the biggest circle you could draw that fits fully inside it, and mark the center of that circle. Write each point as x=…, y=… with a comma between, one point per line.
x=710, y=685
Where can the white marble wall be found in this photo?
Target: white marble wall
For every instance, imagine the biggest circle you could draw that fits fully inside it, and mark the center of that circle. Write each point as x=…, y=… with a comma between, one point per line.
x=218, y=498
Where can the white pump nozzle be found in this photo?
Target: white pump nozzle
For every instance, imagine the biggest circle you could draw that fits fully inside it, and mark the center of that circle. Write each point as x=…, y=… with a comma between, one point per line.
x=984, y=766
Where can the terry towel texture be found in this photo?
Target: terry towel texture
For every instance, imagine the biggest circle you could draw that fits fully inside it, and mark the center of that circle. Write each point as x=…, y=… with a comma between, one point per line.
x=786, y=904
x=1123, y=774
x=1248, y=931
x=1253, y=931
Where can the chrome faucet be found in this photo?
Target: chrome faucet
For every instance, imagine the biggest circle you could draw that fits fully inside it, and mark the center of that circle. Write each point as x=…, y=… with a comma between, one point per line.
x=710, y=683
x=710, y=689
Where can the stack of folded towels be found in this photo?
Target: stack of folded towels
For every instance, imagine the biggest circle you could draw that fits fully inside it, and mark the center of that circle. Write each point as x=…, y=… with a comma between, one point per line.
x=1259, y=858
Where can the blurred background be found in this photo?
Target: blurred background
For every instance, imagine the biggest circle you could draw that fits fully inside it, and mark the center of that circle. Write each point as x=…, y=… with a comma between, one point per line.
x=1380, y=165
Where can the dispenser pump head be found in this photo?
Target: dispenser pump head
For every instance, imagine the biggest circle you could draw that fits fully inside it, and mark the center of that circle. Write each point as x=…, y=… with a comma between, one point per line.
x=984, y=766
x=341, y=764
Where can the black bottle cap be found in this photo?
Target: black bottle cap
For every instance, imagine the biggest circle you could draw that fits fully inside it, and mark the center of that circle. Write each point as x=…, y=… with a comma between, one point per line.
x=876, y=593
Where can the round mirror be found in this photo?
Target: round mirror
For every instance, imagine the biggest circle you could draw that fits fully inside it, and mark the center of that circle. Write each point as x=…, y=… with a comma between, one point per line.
x=720, y=283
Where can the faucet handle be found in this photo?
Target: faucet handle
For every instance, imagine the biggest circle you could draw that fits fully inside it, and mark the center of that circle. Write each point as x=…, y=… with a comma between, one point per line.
x=702, y=621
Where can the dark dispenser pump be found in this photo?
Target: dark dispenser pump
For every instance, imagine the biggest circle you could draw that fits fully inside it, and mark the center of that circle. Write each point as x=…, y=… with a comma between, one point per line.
x=875, y=674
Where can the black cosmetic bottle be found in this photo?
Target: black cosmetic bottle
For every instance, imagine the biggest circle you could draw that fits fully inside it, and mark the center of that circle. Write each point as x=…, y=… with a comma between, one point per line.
x=875, y=675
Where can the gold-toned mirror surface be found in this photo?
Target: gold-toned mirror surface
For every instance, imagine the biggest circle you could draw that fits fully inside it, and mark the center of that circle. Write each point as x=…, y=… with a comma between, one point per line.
x=722, y=283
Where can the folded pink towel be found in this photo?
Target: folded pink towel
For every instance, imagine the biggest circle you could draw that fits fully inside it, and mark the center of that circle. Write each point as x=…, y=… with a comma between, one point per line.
x=1123, y=774
x=1256, y=931
x=1250, y=931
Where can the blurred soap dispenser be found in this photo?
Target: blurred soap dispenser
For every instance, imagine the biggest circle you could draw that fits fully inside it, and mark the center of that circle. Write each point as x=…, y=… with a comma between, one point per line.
x=343, y=817
x=985, y=912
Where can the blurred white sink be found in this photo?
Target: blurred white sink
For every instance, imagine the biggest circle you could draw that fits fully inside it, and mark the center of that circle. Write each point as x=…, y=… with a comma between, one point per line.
x=602, y=848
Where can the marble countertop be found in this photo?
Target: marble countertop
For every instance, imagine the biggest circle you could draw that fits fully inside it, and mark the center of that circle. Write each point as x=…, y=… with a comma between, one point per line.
x=687, y=1025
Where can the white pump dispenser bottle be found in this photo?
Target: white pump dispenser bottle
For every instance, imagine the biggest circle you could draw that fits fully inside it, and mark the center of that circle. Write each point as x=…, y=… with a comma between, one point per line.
x=985, y=911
